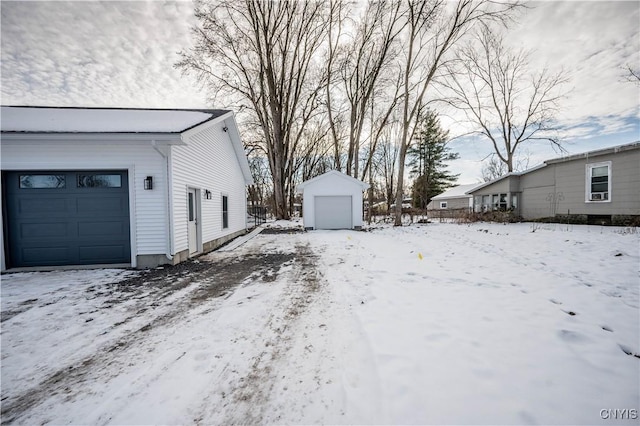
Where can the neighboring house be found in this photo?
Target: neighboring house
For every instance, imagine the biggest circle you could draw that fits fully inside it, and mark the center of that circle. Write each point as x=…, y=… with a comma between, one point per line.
x=600, y=186
x=130, y=187
x=455, y=198
x=332, y=201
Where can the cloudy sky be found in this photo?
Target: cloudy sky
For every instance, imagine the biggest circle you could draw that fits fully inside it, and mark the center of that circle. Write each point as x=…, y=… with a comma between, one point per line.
x=121, y=54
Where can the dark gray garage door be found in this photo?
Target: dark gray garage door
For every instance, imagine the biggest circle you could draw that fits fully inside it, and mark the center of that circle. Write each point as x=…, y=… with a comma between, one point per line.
x=333, y=212
x=67, y=218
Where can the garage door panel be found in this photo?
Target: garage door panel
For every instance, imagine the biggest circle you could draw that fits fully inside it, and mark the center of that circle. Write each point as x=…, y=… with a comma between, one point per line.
x=107, y=205
x=35, y=206
x=44, y=230
x=101, y=254
x=38, y=256
x=101, y=229
x=333, y=212
x=70, y=224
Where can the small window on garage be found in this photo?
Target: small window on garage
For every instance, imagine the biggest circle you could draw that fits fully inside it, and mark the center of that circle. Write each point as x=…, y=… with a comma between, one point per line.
x=42, y=181
x=225, y=212
x=99, y=181
x=443, y=204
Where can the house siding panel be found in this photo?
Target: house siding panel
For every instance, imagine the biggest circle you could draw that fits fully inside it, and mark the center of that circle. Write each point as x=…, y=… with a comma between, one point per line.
x=150, y=212
x=207, y=163
x=567, y=182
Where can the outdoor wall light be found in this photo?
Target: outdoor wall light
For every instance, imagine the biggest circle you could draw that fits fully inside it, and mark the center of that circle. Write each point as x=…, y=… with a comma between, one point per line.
x=148, y=183
x=225, y=129
x=207, y=194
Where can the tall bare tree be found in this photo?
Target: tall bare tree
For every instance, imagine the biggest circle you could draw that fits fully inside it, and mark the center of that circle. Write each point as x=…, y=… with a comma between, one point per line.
x=508, y=104
x=361, y=68
x=264, y=52
x=433, y=29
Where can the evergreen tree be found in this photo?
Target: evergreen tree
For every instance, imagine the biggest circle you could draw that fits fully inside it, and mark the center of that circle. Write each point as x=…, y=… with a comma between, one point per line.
x=427, y=158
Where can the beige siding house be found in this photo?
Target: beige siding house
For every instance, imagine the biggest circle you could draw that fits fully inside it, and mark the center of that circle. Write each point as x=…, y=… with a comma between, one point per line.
x=600, y=186
x=455, y=198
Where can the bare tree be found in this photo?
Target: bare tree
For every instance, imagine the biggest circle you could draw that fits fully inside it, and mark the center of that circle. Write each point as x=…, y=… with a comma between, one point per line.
x=363, y=65
x=433, y=29
x=508, y=105
x=632, y=75
x=264, y=51
x=493, y=169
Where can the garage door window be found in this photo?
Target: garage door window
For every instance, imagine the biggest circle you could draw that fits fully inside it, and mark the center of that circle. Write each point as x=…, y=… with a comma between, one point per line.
x=42, y=181
x=99, y=181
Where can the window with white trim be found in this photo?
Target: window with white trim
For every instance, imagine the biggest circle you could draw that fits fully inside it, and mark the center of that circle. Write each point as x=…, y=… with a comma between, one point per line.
x=443, y=204
x=225, y=212
x=598, y=182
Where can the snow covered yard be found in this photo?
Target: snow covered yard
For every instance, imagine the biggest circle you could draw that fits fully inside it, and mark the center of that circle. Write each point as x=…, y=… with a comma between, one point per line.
x=438, y=323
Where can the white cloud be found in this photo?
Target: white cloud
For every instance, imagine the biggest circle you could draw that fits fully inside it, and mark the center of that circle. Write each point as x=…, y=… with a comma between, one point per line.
x=96, y=54
x=122, y=54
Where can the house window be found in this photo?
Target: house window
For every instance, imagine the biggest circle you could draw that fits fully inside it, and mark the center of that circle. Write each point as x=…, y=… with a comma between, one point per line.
x=42, y=181
x=485, y=203
x=499, y=202
x=598, y=182
x=443, y=204
x=514, y=201
x=192, y=213
x=225, y=212
x=99, y=181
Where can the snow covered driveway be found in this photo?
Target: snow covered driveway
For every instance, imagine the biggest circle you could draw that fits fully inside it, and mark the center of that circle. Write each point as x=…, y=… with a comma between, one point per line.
x=443, y=323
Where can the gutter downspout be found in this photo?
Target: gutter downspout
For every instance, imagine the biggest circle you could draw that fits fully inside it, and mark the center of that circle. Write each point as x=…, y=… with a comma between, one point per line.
x=169, y=221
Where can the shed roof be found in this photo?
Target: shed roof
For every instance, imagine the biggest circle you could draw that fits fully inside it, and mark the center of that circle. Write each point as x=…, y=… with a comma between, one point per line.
x=347, y=178
x=459, y=191
x=35, y=119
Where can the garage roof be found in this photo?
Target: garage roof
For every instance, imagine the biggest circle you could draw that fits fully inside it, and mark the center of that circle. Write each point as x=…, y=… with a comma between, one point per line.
x=23, y=119
x=347, y=178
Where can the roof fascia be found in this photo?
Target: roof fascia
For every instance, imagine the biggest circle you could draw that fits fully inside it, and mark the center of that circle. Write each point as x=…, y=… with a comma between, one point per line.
x=605, y=151
x=162, y=138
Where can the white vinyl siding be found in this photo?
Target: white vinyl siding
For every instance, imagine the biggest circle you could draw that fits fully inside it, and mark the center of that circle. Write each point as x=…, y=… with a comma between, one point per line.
x=208, y=163
x=149, y=209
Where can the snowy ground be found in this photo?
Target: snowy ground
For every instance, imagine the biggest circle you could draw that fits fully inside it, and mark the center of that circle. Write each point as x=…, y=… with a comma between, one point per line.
x=428, y=324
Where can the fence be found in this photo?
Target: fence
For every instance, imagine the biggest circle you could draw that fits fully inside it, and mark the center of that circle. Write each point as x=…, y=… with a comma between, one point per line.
x=256, y=215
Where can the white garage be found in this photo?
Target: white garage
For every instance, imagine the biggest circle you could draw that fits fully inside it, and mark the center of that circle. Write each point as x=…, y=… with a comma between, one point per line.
x=332, y=201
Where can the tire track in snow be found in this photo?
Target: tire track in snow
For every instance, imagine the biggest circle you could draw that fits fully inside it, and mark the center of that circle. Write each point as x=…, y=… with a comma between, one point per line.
x=249, y=397
x=210, y=280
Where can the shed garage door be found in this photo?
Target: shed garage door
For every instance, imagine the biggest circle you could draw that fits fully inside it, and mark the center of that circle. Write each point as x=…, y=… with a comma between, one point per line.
x=333, y=212
x=67, y=217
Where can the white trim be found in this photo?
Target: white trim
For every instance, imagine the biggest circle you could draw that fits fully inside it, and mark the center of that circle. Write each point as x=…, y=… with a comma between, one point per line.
x=111, y=138
x=131, y=175
x=587, y=186
x=198, y=219
x=443, y=205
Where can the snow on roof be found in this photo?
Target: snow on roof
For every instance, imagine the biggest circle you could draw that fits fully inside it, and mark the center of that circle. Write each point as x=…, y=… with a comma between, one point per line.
x=457, y=192
x=301, y=186
x=101, y=120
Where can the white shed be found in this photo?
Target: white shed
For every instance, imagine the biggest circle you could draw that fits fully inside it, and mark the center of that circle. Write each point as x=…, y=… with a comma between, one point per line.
x=332, y=201
x=126, y=187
